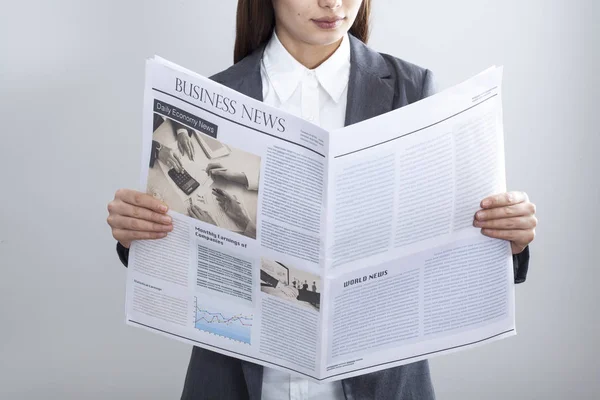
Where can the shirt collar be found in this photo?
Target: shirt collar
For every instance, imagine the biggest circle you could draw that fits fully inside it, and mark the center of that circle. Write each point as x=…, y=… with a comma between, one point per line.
x=285, y=72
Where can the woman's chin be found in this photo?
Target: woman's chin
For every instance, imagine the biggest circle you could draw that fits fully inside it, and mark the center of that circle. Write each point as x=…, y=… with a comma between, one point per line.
x=320, y=37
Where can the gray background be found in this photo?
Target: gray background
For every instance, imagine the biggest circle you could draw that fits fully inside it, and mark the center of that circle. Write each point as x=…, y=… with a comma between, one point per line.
x=71, y=81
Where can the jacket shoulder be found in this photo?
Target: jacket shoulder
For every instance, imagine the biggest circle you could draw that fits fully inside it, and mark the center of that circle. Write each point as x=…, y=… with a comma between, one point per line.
x=409, y=81
x=240, y=70
x=413, y=82
x=229, y=75
x=243, y=76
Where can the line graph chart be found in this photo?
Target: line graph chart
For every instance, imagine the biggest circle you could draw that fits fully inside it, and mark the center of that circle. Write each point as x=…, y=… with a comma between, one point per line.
x=224, y=323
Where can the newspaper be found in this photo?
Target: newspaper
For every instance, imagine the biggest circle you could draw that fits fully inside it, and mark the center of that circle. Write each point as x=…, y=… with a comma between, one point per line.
x=324, y=254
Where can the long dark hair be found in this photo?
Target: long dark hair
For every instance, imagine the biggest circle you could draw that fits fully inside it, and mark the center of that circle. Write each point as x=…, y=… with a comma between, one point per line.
x=255, y=22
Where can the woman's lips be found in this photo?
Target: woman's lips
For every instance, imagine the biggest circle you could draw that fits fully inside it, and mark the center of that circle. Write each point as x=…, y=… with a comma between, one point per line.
x=328, y=23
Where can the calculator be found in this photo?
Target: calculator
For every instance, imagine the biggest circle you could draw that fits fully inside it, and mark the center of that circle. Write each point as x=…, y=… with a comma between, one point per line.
x=184, y=181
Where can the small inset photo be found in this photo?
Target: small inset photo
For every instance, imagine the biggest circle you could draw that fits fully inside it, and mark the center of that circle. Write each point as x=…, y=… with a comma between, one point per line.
x=291, y=284
x=203, y=178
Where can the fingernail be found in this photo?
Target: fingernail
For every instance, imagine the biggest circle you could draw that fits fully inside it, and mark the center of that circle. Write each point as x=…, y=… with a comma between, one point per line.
x=480, y=215
x=476, y=223
x=162, y=235
x=166, y=220
x=163, y=208
x=486, y=203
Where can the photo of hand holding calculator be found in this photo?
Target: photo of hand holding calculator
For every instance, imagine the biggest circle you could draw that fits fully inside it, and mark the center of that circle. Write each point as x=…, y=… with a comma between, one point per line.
x=198, y=175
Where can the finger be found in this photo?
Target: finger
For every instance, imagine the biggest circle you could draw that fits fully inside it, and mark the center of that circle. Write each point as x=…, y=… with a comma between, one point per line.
x=205, y=215
x=194, y=212
x=213, y=166
x=517, y=210
x=223, y=198
x=229, y=196
x=504, y=199
x=135, y=224
x=183, y=149
x=191, y=149
x=223, y=204
x=142, y=200
x=199, y=211
x=127, y=235
x=522, y=237
x=178, y=162
x=221, y=192
x=171, y=158
x=508, y=223
x=120, y=208
x=222, y=172
x=180, y=147
x=186, y=147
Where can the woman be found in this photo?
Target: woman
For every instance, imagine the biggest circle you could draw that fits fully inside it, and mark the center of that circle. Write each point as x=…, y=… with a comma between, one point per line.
x=309, y=58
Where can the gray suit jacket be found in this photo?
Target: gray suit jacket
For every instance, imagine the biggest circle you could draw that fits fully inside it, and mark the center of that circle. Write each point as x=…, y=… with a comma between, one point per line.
x=378, y=83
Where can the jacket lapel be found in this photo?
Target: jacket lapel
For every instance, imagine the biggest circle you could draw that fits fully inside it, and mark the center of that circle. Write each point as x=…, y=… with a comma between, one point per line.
x=370, y=87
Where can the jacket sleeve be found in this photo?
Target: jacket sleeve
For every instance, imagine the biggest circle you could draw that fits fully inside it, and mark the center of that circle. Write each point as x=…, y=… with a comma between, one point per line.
x=123, y=254
x=521, y=265
x=154, y=153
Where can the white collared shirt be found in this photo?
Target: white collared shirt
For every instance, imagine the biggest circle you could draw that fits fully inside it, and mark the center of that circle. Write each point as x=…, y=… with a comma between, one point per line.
x=318, y=96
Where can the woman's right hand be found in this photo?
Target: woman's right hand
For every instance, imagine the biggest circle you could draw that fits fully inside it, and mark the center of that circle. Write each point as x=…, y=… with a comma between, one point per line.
x=134, y=215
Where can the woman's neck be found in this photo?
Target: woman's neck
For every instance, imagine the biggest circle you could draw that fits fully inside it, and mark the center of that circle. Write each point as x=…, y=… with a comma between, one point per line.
x=309, y=55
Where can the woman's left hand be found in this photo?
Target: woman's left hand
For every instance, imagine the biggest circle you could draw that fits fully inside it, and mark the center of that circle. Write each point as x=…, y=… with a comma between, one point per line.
x=509, y=216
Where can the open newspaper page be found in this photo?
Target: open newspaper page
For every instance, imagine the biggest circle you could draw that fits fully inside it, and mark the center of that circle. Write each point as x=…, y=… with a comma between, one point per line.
x=407, y=275
x=241, y=272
